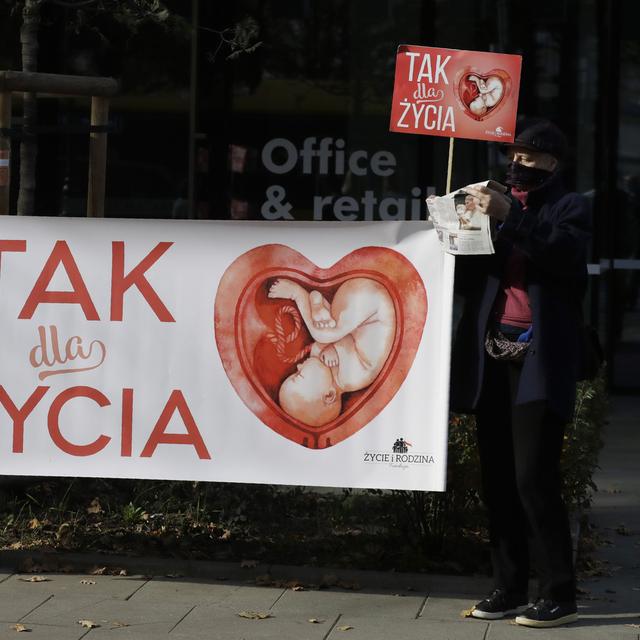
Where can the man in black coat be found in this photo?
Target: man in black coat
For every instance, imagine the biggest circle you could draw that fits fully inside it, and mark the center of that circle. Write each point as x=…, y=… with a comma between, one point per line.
x=523, y=305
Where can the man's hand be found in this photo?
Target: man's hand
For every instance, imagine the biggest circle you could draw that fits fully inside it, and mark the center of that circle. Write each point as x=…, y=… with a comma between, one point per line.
x=491, y=202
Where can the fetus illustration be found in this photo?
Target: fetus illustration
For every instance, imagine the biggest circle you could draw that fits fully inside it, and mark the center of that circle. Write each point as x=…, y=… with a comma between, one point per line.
x=317, y=352
x=352, y=338
x=489, y=94
x=482, y=94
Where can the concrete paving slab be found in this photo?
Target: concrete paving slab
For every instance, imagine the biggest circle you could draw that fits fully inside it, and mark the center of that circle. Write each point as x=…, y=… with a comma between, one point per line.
x=54, y=600
x=68, y=610
x=614, y=596
x=292, y=611
x=503, y=630
x=194, y=591
x=111, y=614
x=14, y=606
x=19, y=598
x=199, y=592
x=386, y=628
x=211, y=622
x=327, y=604
x=44, y=631
x=72, y=585
x=446, y=608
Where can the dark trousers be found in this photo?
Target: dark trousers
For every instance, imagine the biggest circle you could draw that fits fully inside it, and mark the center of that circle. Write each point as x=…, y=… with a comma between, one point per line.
x=520, y=447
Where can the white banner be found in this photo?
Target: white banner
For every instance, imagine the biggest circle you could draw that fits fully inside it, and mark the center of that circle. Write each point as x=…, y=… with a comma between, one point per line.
x=267, y=352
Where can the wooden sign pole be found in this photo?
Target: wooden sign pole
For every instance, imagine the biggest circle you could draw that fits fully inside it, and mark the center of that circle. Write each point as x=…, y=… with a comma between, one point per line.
x=450, y=165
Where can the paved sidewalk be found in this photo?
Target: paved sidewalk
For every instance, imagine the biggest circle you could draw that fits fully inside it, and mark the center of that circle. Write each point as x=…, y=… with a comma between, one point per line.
x=386, y=606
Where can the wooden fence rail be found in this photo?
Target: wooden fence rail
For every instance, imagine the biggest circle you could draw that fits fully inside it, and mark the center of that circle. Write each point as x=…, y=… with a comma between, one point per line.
x=98, y=88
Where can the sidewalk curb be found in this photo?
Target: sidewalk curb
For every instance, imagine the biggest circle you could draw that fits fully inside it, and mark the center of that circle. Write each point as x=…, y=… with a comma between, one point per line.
x=55, y=562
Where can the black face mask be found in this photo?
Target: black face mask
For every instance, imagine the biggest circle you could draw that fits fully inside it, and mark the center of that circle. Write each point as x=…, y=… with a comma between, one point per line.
x=522, y=177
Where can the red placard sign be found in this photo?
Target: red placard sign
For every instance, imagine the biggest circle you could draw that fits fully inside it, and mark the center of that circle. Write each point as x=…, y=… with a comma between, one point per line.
x=455, y=94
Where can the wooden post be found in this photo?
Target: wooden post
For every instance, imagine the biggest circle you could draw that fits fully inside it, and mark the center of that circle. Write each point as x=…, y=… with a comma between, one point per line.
x=23, y=81
x=5, y=151
x=450, y=165
x=97, y=157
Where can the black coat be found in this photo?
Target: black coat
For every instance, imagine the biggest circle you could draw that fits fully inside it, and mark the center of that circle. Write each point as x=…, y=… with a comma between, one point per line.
x=553, y=233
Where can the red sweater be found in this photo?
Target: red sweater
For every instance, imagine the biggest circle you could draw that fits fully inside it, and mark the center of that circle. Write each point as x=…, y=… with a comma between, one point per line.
x=512, y=303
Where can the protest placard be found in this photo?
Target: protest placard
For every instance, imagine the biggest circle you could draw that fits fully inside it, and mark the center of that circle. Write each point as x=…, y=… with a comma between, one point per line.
x=455, y=93
x=281, y=353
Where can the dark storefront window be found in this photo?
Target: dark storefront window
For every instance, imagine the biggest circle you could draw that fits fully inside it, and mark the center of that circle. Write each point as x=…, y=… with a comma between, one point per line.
x=148, y=123
x=301, y=127
x=279, y=109
x=625, y=309
x=298, y=128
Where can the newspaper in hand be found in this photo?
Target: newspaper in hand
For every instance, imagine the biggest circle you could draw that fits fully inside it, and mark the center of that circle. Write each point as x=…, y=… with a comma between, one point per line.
x=462, y=228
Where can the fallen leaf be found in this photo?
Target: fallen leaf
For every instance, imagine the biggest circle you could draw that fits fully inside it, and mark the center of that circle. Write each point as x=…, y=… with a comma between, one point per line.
x=89, y=624
x=315, y=621
x=19, y=627
x=36, y=579
x=248, y=564
x=87, y=581
x=15, y=545
x=98, y=571
x=255, y=615
x=123, y=572
x=344, y=627
x=467, y=613
x=116, y=625
x=297, y=587
x=34, y=523
x=95, y=506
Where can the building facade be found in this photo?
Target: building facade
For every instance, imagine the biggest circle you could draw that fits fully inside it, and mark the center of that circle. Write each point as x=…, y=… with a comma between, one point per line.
x=279, y=109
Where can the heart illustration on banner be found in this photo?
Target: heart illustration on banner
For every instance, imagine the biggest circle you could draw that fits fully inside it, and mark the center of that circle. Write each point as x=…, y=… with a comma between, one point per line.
x=481, y=95
x=317, y=353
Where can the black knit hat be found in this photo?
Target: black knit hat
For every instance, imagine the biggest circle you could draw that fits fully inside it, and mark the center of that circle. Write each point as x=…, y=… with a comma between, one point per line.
x=540, y=135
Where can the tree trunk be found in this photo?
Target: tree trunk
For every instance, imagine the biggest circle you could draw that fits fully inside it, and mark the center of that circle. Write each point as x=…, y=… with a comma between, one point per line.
x=29, y=144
